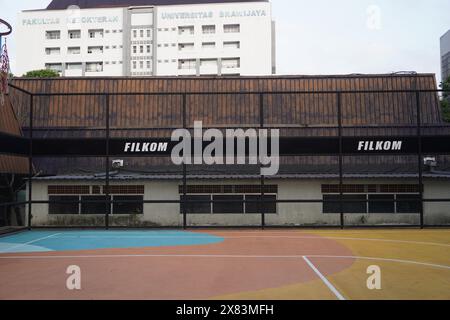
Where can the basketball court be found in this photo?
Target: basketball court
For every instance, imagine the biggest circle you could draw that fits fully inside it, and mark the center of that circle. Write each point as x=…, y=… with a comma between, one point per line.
x=226, y=264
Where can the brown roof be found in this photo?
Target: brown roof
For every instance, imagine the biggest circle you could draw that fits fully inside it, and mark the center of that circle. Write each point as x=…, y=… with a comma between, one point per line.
x=312, y=114
x=315, y=109
x=10, y=125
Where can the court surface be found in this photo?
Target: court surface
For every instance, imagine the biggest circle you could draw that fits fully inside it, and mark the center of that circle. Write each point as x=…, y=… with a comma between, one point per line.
x=226, y=264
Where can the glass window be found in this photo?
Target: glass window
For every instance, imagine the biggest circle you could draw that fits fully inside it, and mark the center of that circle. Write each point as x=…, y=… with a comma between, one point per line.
x=231, y=28
x=141, y=32
x=94, y=207
x=63, y=208
x=256, y=207
x=134, y=33
x=409, y=205
x=197, y=207
x=228, y=207
x=332, y=204
x=128, y=207
x=381, y=206
x=209, y=29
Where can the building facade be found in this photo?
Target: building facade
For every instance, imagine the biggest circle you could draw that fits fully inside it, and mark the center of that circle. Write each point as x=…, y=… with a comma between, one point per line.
x=445, y=55
x=148, y=38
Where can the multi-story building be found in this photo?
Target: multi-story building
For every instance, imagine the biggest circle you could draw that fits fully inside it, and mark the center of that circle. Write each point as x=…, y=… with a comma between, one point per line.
x=445, y=55
x=148, y=37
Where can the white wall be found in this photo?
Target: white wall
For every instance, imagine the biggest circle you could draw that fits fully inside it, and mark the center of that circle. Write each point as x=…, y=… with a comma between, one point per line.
x=31, y=38
x=254, y=36
x=288, y=214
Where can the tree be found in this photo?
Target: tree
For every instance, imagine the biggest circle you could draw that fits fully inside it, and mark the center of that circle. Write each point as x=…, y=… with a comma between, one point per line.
x=445, y=101
x=44, y=73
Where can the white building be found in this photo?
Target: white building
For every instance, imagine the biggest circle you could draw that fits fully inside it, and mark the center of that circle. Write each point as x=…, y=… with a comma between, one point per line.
x=445, y=55
x=199, y=37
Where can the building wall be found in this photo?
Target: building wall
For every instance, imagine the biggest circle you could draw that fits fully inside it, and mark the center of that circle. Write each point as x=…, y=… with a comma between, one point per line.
x=288, y=214
x=445, y=55
x=156, y=30
x=31, y=39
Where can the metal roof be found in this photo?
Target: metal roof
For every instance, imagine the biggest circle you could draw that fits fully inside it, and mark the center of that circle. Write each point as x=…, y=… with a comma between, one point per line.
x=83, y=4
x=128, y=177
x=9, y=124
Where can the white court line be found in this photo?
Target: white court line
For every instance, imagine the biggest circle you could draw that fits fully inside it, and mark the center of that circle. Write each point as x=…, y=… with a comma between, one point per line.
x=324, y=279
x=108, y=256
x=262, y=236
x=29, y=242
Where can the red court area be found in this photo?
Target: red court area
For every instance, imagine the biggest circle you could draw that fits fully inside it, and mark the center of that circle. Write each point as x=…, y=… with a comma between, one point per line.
x=244, y=261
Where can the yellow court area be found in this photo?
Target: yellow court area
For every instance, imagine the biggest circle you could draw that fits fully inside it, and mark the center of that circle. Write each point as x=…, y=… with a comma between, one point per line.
x=414, y=264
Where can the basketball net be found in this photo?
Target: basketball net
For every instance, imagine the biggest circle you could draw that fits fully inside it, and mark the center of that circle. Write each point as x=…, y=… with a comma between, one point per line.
x=4, y=73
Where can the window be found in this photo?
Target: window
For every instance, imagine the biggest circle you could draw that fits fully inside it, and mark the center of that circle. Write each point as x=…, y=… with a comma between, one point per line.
x=74, y=66
x=70, y=205
x=187, y=64
x=134, y=33
x=208, y=62
x=141, y=49
x=149, y=33
x=332, y=204
x=96, y=207
x=52, y=51
x=130, y=205
x=197, y=207
x=141, y=64
x=148, y=49
x=94, y=67
x=209, y=29
x=208, y=45
x=227, y=206
x=185, y=46
x=269, y=207
x=74, y=34
x=148, y=64
x=141, y=33
x=232, y=45
x=409, y=205
x=231, y=28
x=95, y=33
x=230, y=63
x=134, y=64
x=134, y=49
x=54, y=66
x=189, y=30
x=52, y=35
x=381, y=206
x=92, y=50
x=73, y=50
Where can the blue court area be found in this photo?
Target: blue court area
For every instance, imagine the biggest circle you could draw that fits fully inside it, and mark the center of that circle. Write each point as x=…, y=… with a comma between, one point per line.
x=42, y=241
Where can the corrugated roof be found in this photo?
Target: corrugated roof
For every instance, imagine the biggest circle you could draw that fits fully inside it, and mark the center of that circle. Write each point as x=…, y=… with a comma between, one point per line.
x=128, y=177
x=9, y=124
x=313, y=114
x=63, y=4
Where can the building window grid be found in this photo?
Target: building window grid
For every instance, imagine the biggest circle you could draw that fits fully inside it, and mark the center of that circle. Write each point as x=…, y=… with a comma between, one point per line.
x=396, y=204
x=244, y=204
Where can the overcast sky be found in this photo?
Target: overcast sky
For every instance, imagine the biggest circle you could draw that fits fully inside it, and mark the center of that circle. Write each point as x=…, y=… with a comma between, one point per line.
x=339, y=36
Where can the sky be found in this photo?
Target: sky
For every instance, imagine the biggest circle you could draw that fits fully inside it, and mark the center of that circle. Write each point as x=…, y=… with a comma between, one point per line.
x=338, y=36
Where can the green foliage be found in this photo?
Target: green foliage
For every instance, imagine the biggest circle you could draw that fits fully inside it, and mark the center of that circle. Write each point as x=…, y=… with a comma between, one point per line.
x=445, y=102
x=44, y=73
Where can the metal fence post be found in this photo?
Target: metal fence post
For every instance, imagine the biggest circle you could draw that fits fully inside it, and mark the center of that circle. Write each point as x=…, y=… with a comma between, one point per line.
x=30, y=163
x=341, y=174
x=183, y=203
x=262, y=178
x=107, y=191
x=420, y=157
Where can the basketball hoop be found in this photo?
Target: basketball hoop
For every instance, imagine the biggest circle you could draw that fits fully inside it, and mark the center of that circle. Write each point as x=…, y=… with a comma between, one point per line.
x=4, y=61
